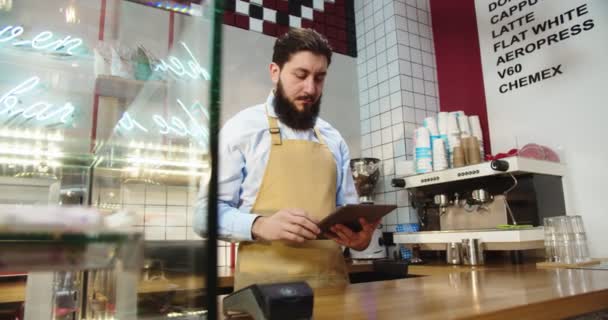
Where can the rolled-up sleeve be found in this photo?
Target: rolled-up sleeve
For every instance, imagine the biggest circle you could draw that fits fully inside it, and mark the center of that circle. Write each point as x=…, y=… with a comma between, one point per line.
x=234, y=225
x=346, y=192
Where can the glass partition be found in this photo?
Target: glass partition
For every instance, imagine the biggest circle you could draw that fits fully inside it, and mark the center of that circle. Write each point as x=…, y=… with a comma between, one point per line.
x=105, y=141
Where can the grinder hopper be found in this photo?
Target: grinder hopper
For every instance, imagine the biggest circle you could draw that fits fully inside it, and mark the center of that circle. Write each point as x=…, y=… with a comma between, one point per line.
x=366, y=172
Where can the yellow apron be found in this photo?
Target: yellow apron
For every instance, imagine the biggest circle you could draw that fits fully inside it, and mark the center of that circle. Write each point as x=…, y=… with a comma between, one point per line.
x=299, y=174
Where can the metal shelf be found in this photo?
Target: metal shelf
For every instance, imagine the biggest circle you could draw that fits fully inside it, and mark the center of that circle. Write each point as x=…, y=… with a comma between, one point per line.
x=517, y=166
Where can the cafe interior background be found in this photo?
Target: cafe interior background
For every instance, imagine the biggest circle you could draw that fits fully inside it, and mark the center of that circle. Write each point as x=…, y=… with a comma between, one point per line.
x=130, y=81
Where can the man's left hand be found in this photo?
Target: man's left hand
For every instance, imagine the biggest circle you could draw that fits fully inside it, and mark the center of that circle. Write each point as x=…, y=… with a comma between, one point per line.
x=354, y=240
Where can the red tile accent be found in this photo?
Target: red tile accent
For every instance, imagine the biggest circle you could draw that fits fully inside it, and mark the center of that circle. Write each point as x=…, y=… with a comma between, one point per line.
x=319, y=27
x=281, y=30
x=269, y=28
x=307, y=23
x=341, y=47
x=341, y=12
x=318, y=16
x=342, y=35
x=330, y=20
x=459, y=60
x=229, y=18
x=340, y=22
x=332, y=41
x=242, y=21
x=331, y=32
x=270, y=4
x=102, y=20
x=282, y=5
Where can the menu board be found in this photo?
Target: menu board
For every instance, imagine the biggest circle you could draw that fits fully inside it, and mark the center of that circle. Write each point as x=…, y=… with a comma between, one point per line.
x=513, y=33
x=544, y=69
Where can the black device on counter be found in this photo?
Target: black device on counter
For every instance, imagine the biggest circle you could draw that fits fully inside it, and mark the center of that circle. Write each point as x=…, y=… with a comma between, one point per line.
x=383, y=269
x=289, y=300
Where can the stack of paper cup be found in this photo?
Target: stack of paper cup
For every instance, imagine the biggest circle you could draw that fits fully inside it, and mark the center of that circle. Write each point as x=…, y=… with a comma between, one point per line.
x=458, y=157
x=477, y=133
x=470, y=145
x=453, y=134
x=458, y=113
x=440, y=159
x=463, y=124
x=442, y=125
x=423, y=153
x=431, y=124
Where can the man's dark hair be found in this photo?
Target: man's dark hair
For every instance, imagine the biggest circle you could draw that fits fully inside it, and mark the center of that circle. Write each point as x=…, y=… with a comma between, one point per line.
x=298, y=39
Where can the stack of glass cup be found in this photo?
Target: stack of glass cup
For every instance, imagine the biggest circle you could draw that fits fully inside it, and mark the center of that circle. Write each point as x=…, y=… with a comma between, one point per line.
x=565, y=240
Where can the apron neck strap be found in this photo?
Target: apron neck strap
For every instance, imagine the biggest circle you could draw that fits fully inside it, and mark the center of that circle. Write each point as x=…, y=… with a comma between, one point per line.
x=275, y=131
x=319, y=136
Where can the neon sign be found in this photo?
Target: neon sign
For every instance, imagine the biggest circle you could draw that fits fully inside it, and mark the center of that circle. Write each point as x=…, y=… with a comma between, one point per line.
x=6, y=5
x=39, y=110
x=44, y=41
x=194, y=70
x=174, y=125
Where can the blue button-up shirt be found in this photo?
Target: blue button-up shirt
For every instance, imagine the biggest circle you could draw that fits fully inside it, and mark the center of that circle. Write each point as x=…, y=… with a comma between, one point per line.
x=244, y=147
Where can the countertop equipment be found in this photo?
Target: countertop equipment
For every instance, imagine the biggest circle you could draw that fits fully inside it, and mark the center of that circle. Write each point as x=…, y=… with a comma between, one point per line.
x=293, y=300
x=486, y=197
x=366, y=172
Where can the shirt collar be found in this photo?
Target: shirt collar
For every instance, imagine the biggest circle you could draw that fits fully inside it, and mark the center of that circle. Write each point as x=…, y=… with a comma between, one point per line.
x=270, y=105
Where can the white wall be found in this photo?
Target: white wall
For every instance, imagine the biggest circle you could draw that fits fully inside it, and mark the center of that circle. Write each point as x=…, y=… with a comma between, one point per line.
x=246, y=82
x=567, y=112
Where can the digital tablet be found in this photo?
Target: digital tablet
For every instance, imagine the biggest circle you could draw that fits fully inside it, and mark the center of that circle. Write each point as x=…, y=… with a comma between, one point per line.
x=349, y=215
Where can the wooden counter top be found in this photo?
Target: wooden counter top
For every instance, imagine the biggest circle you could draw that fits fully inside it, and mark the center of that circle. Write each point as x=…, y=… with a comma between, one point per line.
x=14, y=290
x=447, y=292
x=509, y=292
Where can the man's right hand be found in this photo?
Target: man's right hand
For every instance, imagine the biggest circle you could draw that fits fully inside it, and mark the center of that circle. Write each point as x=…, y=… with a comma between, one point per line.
x=294, y=225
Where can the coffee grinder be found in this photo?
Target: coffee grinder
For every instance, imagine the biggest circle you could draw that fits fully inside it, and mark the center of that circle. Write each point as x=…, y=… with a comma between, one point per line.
x=366, y=172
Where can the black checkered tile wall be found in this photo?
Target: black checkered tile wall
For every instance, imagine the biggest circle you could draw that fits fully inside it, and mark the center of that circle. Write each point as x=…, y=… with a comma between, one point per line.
x=333, y=18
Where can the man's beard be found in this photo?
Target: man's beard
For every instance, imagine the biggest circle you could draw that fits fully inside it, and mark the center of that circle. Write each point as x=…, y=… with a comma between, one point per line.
x=291, y=116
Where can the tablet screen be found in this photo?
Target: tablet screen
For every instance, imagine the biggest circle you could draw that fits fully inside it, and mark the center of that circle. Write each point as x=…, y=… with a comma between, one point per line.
x=349, y=215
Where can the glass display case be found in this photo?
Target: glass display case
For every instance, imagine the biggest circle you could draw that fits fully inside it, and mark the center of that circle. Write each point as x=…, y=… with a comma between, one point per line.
x=107, y=129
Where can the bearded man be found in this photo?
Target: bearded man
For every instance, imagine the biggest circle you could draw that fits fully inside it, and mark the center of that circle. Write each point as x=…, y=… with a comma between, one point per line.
x=282, y=169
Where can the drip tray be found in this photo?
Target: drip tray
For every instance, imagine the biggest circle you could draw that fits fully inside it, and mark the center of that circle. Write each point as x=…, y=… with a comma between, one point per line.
x=382, y=270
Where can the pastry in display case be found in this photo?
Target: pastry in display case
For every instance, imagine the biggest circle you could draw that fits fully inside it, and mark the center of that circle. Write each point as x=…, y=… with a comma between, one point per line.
x=104, y=144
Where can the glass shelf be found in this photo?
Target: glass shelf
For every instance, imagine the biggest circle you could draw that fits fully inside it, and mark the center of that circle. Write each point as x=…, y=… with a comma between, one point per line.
x=60, y=251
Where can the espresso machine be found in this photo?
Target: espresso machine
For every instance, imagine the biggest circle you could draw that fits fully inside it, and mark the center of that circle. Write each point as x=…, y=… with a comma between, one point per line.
x=499, y=205
x=505, y=193
x=366, y=172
